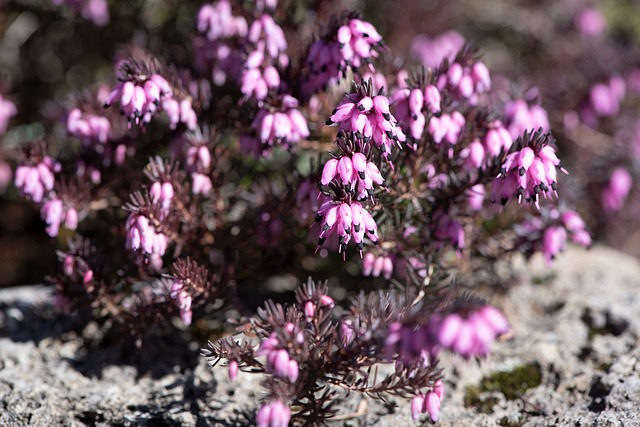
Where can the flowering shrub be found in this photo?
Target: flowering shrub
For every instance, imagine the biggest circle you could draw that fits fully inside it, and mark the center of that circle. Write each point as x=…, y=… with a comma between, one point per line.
x=179, y=185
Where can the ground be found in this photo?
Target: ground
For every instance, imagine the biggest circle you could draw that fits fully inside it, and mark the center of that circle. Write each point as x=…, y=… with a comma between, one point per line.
x=573, y=360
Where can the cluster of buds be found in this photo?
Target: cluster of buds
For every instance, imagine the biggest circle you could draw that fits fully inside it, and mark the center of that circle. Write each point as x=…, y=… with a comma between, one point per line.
x=375, y=266
x=529, y=171
x=604, y=100
x=54, y=212
x=410, y=107
x=142, y=237
x=279, y=362
x=216, y=51
x=521, y=117
x=497, y=139
x=369, y=117
x=216, y=21
x=347, y=221
x=470, y=335
x=446, y=128
x=428, y=403
x=267, y=46
x=87, y=127
x=142, y=92
x=38, y=180
x=278, y=122
x=349, y=46
x=465, y=78
x=353, y=170
x=549, y=232
x=431, y=51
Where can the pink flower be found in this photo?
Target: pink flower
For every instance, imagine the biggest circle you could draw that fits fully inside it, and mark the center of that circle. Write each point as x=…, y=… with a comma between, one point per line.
x=7, y=110
x=553, y=242
x=529, y=172
x=614, y=195
x=369, y=116
x=377, y=265
x=590, y=22
x=183, y=300
x=279, y=363
x=275, y=124
x=472, y=335
x=432, y=51
x=139, y=99
x=142, y=237
x=355, y=43
x=346, y=221
x=520, y=117
x=273, y=414
x=37, y=181
x=218, y=22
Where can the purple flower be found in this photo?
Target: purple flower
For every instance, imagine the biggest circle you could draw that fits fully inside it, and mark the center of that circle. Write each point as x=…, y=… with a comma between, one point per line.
x=355, y=172
x=88, y=127
x=273, y=414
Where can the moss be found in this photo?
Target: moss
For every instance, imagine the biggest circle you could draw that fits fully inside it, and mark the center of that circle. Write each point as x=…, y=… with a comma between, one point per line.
x=543, y=279
x=509, y=422
x=512, y=384
x=472, y=399
x=515, y=382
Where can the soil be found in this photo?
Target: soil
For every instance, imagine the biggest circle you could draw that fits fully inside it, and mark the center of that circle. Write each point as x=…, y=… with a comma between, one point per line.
x=573, y=360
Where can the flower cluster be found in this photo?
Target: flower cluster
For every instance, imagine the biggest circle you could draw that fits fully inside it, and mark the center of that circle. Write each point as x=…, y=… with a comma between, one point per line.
x=411, y=104
x=278, y=122
x=528, y=171
x=141, y=92
x=36, y=181
x=428, y=403
x=346, y=221
x=465, y=78
x=350, y=45
x=368, y=116
x=88, y=127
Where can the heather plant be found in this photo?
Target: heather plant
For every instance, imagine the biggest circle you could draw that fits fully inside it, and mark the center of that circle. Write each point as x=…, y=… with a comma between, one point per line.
x=184, y=181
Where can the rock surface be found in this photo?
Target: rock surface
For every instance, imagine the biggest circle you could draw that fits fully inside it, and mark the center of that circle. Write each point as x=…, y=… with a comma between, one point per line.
x=574, y=356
